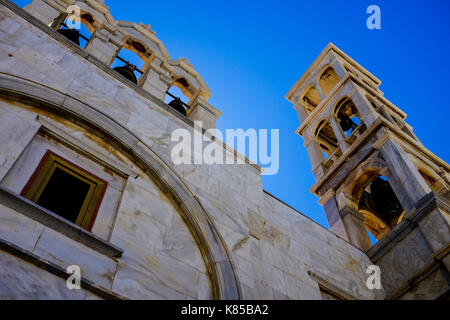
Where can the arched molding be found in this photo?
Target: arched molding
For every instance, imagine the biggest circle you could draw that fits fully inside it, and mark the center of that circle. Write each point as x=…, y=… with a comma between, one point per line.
x=338, y=104
x=327, y=85
x=355, y=183
x=213, y=248
x=319, y=125
x=98, y=11
x=350, y=193
x=145, y=35
x=322, y=69
x=183, y=69
x=137, y=46
x=311, y=93
x=325, y=136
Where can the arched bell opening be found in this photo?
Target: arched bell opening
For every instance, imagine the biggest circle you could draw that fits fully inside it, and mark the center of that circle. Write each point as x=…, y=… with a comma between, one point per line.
x=132, y=60
x=311, y=99
x=326, y=139
x=347, y=116
x=80, y=34
x=378, y=203
x=176, y=98
x=328, y=80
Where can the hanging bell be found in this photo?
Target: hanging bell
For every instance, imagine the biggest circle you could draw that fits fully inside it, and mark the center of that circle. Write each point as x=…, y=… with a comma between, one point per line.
x=346, y=123
x=71, y=34
x=382, y=199
x=177, y=104
x=128, y=72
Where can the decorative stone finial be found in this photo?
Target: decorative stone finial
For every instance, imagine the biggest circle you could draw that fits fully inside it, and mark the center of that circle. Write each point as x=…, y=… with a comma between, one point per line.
x=186, y=61
x=147, y=27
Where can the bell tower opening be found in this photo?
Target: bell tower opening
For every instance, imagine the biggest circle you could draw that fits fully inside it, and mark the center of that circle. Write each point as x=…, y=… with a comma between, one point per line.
x=326, y=139
x=359, y=137
x=328, y=80
x=311, y=99
x=176, y=97
x=348, y=116
x=81, y=36
x=131, y=60
x=379, y=206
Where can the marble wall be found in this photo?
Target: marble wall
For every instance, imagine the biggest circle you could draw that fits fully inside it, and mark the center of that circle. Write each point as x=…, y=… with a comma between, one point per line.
x=274, y=248
x=23, y=280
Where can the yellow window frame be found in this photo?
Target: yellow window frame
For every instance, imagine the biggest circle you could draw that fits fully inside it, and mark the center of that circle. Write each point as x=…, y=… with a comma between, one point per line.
x=40, y=178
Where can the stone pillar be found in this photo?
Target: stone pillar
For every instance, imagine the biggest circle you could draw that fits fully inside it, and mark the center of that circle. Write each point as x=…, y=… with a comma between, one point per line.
x=346, y=223
x=200, y=110
x=435, y=226
x=316, y=157
x=405, y=179
x=339, y=69
x=343, y=144
x=42, y=11
x=103, y=46
x=301, y=112
x=356, y=231
x=367, y=112
x=319, y=90
x=157, y=80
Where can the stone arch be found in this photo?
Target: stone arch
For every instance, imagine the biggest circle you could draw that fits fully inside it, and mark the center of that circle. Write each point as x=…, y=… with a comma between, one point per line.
x=193, y=84
x=213, y=248
x=100, y=18
x=363, y=174
x=138, y=47
x=325, y=137
x=310, y=98
x=138, y=56
x=87, y=20
x=328, y=79
x=184, y=86
x=358, y=188
x=347, y=115
x=188, y=85
x=86, y=16
x=90, y=21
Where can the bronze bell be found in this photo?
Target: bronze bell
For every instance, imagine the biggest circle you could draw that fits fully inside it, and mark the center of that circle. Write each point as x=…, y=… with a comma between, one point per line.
x=128, y=72
x=382, y=199
x=177, y=104
x=71, y=34
x=345, y=122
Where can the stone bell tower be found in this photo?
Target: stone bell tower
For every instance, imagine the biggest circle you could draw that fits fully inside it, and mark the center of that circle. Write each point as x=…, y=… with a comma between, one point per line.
x=372, y=173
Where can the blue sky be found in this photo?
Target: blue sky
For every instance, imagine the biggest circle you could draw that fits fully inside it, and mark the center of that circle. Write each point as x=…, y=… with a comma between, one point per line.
x=250, y=53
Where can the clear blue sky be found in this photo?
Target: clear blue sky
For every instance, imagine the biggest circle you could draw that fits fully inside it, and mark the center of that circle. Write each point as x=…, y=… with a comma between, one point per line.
x=250, y=53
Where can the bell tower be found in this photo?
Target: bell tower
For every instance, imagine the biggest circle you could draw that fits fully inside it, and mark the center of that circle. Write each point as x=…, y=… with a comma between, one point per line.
x=372, y=173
